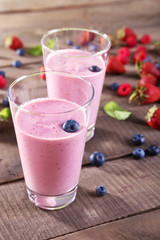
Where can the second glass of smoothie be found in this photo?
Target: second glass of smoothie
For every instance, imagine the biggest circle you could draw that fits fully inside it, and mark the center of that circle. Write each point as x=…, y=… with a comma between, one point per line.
x=79, y=51
x=51, y=134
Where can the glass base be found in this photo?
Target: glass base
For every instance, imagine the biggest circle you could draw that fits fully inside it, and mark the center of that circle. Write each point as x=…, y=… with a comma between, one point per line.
x=52, y=202
x=90, y=133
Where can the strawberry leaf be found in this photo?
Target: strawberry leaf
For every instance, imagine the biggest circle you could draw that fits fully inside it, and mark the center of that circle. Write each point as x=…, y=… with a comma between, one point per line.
x=50, y=44
x=35, y=51
x=115, y=111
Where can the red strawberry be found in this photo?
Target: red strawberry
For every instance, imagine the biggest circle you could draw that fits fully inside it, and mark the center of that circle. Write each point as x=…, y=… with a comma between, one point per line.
x=149, y=67
x=3, y=82
x=86, y=37
x=131, y=41
x=145, y=94
x=42, y=75
x=148, y=78
x=115, y=66
x=145, y=39
x=13, y=42
x=125, y=33
x=153, y=117
x=124, y=89
x=122, y=58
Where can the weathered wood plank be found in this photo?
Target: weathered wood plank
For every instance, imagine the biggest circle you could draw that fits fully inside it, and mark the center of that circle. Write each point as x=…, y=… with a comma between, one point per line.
x=133, y=187
x=145, y=227
x=109, y=18
x=18, y=5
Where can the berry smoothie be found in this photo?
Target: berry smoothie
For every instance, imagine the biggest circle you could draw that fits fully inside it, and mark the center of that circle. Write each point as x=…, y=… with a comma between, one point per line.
x=51, y=157
x=82, y=63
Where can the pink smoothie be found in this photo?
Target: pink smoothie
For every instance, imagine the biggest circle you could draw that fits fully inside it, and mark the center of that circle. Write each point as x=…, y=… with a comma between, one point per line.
x=51, y=158
x=79, y=63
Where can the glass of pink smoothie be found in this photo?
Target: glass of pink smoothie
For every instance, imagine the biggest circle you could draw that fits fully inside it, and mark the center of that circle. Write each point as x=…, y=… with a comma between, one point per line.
x=51, y=134
x=79, y=51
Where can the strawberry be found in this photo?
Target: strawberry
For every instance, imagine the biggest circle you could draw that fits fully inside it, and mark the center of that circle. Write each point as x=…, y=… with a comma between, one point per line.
x=149, y=67
x=145, y=39
x=125, y=33
x=148, y=78
x=145, y=94
x=153, y=117
x=13, y=42
x=122, y=58
x=115, y=66
x=42, y=75
x=86, y=37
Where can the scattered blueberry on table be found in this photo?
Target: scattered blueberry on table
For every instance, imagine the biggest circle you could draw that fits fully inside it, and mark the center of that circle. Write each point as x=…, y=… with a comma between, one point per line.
x=69, y=42
x=20, y=51
x=153, y=150
x=138, y=153
x=2, y=73
x=101, y=191
x=17, y=63
x=6, y=102
x=138, y=139
x=97, y=159
x=114, y=86
x=71, y=126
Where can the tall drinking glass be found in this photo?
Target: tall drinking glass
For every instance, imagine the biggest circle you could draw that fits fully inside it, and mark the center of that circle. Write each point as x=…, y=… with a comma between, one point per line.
x=51, y=134
x=79, y=51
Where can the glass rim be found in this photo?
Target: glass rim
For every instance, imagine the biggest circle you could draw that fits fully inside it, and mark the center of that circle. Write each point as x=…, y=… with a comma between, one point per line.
x=21, y=106
x=98, y=53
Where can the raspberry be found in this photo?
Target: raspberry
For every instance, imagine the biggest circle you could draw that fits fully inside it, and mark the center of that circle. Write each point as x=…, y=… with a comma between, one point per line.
x=3, y=82
x=124, y=51
x=131, y=41
x=42, y=75
x=141, y=49
x=145, y=39
x=124, y=89
x=139, y=56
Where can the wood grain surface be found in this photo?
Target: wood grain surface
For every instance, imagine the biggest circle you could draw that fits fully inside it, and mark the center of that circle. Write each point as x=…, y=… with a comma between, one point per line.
x=130, y=210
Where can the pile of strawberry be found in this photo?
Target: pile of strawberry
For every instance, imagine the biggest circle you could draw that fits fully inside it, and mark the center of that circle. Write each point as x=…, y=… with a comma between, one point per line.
x=147, y=90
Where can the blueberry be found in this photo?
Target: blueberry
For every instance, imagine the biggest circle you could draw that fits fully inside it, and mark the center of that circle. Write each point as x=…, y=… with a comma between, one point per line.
x=94, y=69
x=20, y=51
x=6, y=102
x=157, y=66
x=101, y=191
x=17, y=63
x=2, y=73
x=115, y=86
x=71, y=126
x=138, y=153
x=97, y=159
x=153, y=150
x=76, y=47
x=69, y=42
x=138, y=139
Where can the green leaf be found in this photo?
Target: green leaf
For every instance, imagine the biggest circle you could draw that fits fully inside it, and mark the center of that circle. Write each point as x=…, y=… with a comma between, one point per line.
x=50, y=44
x=115, y=111
x=5, y=113
x=35, y=51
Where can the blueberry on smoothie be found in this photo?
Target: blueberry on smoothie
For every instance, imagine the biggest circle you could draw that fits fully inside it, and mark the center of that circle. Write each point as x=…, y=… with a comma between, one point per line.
x=94, y=69
x=71, y=126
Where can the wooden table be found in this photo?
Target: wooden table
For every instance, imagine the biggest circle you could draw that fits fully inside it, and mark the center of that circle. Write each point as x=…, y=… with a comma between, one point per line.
x=131, y=208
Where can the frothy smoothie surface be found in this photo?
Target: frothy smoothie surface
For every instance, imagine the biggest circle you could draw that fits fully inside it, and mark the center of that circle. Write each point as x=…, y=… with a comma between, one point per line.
x=75, y=61
x=51, y=158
